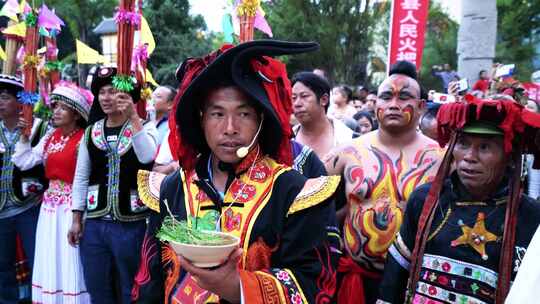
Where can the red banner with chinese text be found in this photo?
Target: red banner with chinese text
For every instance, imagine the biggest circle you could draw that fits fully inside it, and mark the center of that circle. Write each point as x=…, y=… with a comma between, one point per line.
x=407, y=29
x=533, y=90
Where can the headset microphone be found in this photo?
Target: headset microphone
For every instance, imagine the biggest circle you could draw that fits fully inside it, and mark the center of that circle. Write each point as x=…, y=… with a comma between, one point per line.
x=243, y=151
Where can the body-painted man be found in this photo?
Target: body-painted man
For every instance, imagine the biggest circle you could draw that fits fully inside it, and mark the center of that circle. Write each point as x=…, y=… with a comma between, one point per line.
x=380, y=170
x=464, y=235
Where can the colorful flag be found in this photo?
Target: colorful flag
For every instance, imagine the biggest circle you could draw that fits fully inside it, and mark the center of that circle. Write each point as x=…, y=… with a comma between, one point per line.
x=88, y=55
x=48, y=19
x=147, y=36
x=228, y=29
x=24, y=7
x=3, y=55
x=261, y=23
x=10, y=10
x=18, y=29
x=150, y=78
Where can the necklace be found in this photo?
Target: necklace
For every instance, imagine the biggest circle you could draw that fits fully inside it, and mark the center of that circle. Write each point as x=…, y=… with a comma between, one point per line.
x=237, y=194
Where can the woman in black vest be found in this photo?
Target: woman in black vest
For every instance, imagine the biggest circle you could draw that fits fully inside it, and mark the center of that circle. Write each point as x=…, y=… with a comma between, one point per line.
x=116, y=144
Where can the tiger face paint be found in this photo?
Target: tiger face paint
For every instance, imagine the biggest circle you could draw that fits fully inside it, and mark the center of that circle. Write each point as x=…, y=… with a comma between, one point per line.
x=398, y=104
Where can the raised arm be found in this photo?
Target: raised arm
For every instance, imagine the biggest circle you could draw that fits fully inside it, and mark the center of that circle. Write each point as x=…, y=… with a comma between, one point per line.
x=145, y=143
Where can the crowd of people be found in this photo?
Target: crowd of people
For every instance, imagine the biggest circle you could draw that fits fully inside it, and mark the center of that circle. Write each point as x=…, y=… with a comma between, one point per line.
x=336, y=195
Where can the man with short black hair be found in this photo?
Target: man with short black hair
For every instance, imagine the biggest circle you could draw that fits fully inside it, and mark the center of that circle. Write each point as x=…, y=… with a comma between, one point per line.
x=311, y=99
x=163, y=98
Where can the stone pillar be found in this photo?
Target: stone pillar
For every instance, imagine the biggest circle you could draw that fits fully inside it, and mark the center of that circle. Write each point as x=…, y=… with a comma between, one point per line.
x=476, y=38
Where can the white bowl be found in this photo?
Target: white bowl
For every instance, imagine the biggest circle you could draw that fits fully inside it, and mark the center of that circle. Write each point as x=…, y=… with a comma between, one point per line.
x=206, y=256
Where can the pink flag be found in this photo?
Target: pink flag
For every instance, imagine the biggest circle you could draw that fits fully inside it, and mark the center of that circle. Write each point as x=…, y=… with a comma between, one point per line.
x=262, y=24
x=25, y=7
x=48, y=19
x=21, y=52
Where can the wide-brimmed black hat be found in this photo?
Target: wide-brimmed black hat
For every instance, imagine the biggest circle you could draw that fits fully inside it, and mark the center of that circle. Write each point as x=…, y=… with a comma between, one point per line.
x=233, y=65
x=103, y=76
x=10, y=83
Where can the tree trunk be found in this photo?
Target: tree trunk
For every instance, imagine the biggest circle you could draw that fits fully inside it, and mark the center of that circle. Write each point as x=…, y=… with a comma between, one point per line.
x=82, y=69
x=476, y=37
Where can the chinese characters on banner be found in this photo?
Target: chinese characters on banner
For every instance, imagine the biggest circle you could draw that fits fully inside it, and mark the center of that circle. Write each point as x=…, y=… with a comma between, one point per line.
x=408, y=25
x=533, y=90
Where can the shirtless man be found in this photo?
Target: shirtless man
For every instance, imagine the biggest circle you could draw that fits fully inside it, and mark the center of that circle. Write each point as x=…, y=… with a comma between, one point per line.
x=311, y=97
x=380, y=170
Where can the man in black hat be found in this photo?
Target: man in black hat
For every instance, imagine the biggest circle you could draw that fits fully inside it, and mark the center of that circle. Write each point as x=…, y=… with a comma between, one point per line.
x=234, y=148
x=115, y=146
x=20, y=191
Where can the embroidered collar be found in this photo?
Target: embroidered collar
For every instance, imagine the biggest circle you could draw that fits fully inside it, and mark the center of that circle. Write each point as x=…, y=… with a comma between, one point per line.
x=122, y=145
x=11, y=136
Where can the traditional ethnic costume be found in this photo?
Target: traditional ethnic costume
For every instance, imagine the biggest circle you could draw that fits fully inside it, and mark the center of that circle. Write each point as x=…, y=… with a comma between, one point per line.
x=306, y=161
x=57, y=276
x=20, y=195
x=105, y=186
x=453, y=249
x=285, y=222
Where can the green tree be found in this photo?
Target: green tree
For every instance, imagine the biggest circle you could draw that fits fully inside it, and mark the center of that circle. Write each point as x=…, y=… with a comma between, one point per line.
x=341, y=27
x=178, y=36
x=518, y=33
x=440, y=45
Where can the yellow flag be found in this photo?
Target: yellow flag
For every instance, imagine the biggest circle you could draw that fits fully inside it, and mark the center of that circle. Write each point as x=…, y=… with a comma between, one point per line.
x=146, y=36
x=18, y=29
x=88, y=55
x=150, y=78
x=3, y=55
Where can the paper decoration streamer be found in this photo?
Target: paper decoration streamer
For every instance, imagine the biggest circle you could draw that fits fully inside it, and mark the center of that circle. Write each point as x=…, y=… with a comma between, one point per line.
x=123, y=83
x=30, y=19
x=28, y=98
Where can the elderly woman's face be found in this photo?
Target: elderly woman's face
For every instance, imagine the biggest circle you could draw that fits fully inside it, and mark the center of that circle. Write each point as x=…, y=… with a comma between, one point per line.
x=480, y=162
